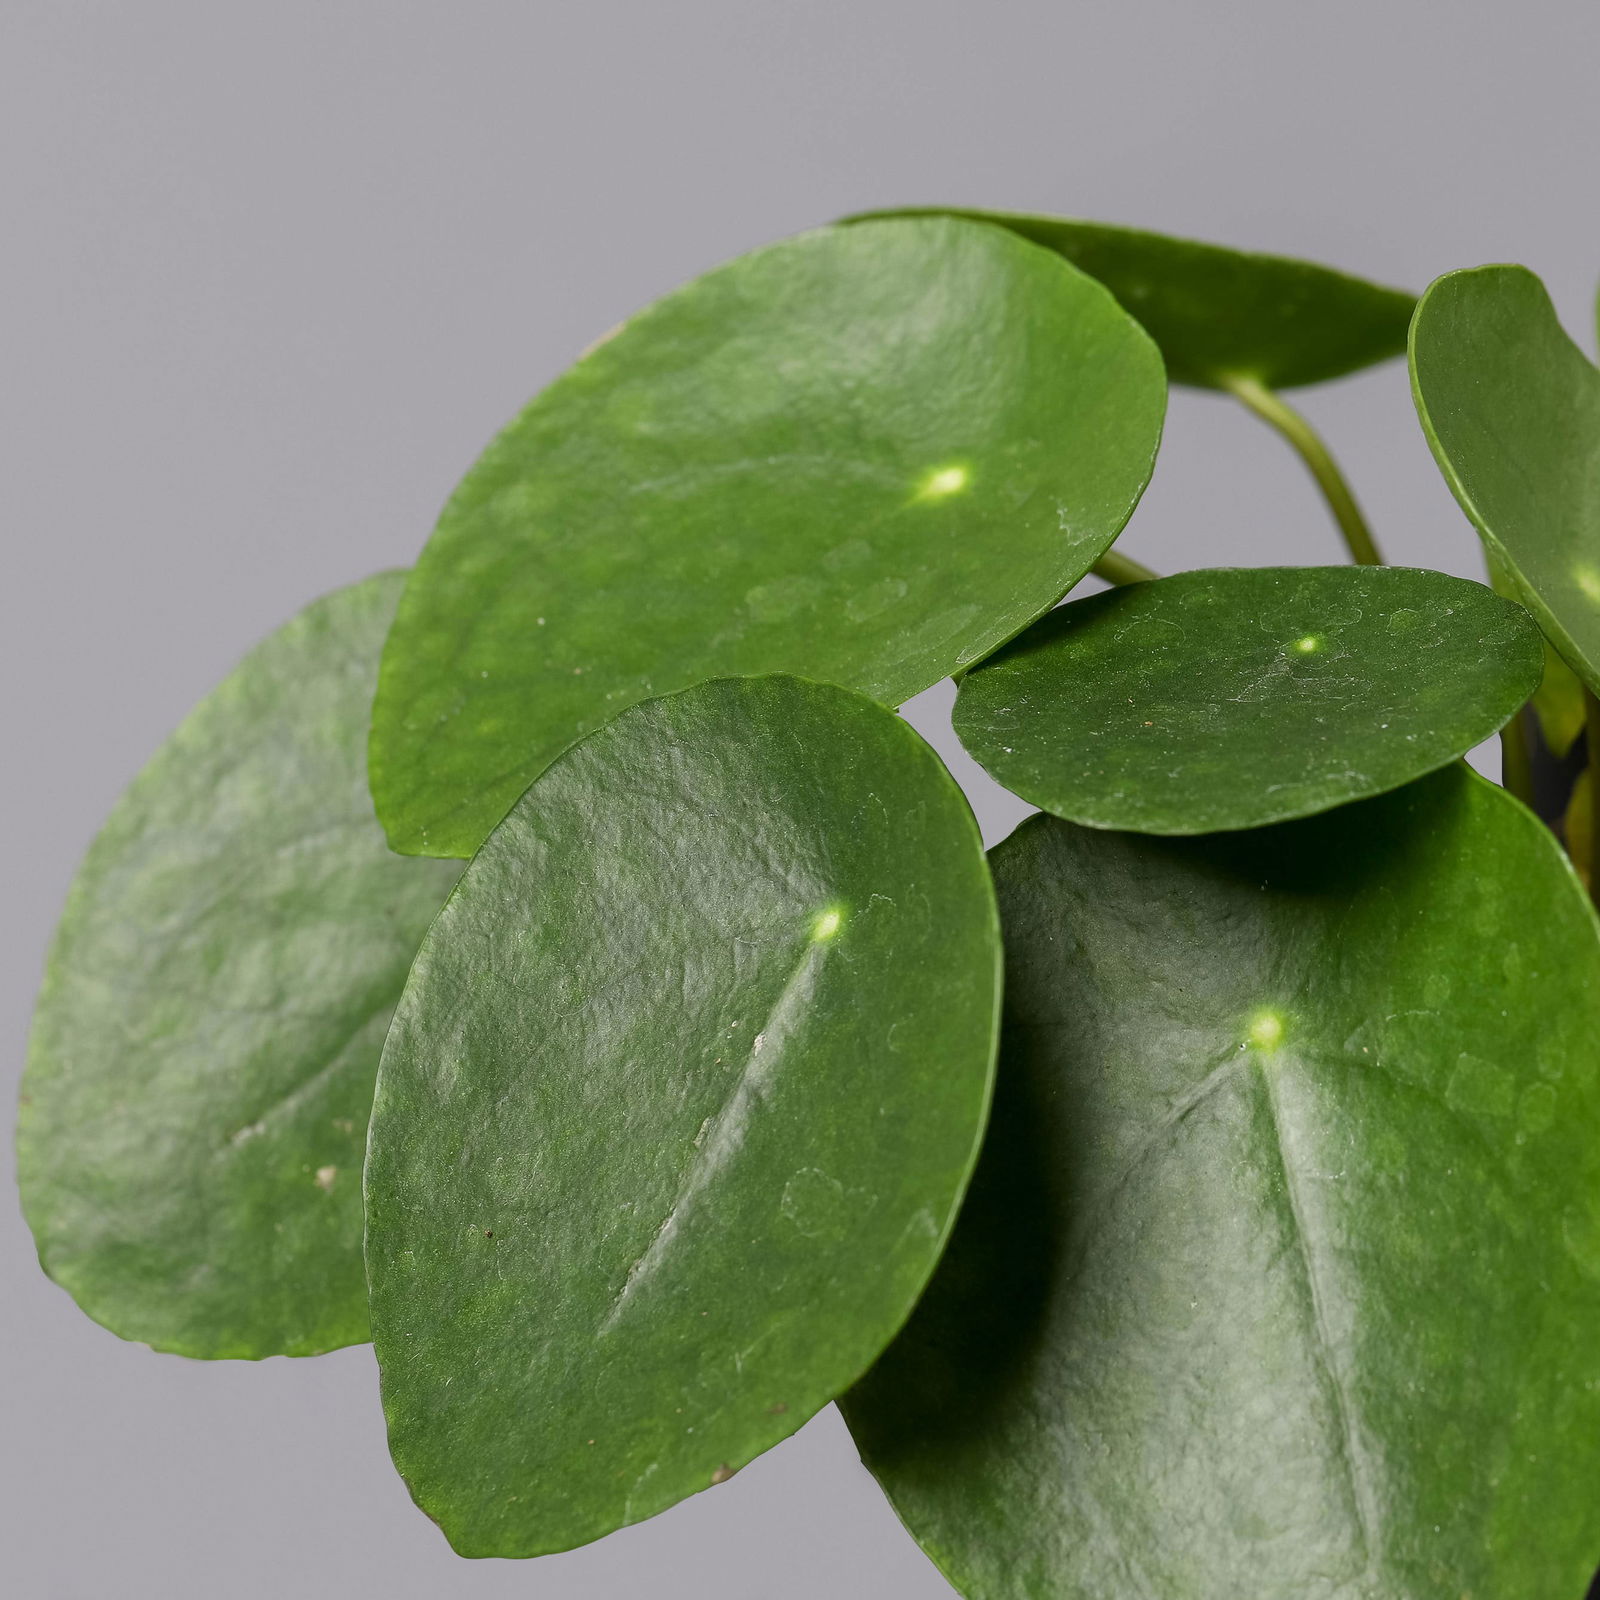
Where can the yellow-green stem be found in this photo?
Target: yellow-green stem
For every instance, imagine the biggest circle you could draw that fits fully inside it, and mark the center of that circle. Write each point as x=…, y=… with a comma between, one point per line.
x=1336, y=491
x=1117, y=568
x=1516, y=759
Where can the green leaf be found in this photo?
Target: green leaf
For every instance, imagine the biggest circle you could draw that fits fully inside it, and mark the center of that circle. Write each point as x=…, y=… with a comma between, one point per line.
x=1281, y=1270
x=1233, y=698
x=1220, y=314
x=1558, y=701
x=677, y=1108
x=865, y=455
x=200, y=1072
x=1511, y=408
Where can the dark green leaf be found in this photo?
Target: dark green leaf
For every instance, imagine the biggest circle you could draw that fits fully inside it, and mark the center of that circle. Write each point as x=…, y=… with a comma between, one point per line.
x=200, y=1073
x=1221, y=314
x=1233, y=698
x=1558, y=701
x=1281, y=1271
x=677, y=1108
x=1511, y=407
x=866, y=455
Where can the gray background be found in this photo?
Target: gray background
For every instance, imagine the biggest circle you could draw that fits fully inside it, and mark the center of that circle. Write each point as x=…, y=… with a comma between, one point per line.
x=274, y=273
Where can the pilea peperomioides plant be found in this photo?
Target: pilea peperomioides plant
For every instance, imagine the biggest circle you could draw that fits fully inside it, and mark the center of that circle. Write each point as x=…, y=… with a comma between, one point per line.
x=1279, y=1273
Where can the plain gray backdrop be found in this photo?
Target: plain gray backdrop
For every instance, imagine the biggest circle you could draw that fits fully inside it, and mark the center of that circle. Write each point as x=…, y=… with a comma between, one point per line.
x=273, y=274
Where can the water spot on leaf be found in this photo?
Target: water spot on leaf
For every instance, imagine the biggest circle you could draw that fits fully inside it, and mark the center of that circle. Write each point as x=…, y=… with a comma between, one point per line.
x=1536, y=1110
x=867, y=603
x=1480, y=1088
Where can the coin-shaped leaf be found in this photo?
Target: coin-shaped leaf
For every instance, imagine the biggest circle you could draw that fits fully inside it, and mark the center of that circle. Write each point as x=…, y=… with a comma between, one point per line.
x=1281, y=1269
x=1237, y=697
x=677, y=1108
x=1219, y=313
x=864, y=455
x=1511, y=407
x=194, y=1110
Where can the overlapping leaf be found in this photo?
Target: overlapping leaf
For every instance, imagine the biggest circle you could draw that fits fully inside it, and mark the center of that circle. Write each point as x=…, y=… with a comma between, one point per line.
x=867, y=455
x=1511, y=408
x=1221, y=314
x=1280, y=1272
x=677, y=1108
x=1233, y=698
x=201, y=1066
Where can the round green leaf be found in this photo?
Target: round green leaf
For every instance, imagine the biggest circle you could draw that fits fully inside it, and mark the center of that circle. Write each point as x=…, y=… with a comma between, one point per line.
x=200, y=1072
x=1233, y=698
x=864, y=455
x=1221, y=314
x=1281, y=1269
x=1511, y=407
x=677, y=1108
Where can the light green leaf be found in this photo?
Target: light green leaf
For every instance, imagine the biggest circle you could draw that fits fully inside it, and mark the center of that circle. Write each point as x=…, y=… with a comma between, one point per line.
x=1220, y=314
x=677, y=1108
x=865, y=455
x=1511, y=408
x=1233, y=698
x=1281, y=1270
x=200, y=1071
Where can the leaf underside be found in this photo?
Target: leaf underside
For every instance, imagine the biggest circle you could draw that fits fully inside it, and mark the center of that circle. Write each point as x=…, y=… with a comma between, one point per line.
x=1511, y=408
x=1218, y=313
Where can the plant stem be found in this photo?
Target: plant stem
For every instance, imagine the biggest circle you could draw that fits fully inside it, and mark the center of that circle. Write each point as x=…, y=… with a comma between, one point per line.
x=1117, y=568
x=1316, y=455
x=1516, y=759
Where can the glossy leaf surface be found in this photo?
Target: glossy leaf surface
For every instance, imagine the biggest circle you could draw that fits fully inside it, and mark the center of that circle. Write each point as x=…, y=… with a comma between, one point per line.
x=1281, y=1269
x=1219, y=313
x=677, y=1108
x=865, y=455
x=201, y=1066
x=1237, y=697
x=1511, y=407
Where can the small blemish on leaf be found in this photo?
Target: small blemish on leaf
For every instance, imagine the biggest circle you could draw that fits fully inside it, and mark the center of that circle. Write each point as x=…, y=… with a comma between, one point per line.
x=324, y=1178
x=722, y=1474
